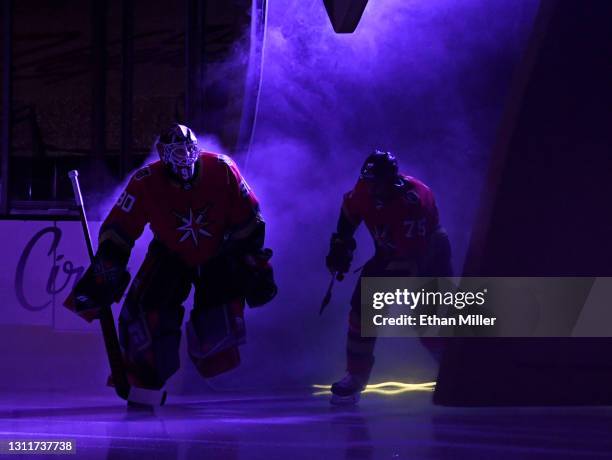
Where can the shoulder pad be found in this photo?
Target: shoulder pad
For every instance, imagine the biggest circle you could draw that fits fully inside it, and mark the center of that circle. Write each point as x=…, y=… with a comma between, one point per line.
x=142, y=173
x=224, y=159
x=412, y=197
x=413, y=182
x=219, y=158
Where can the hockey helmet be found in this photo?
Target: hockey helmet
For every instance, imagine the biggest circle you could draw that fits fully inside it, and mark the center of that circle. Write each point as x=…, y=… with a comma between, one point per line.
x=379, y=166
x=178, y=150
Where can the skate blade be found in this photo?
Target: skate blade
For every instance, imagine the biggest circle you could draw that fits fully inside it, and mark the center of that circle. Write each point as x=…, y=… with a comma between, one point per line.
x=349, y=400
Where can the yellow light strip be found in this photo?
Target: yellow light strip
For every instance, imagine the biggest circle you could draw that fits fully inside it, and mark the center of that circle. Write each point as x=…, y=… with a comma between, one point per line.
x=384, y=388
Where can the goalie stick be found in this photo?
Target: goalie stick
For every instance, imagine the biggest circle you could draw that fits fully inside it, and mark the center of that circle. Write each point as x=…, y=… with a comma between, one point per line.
x=113, y=351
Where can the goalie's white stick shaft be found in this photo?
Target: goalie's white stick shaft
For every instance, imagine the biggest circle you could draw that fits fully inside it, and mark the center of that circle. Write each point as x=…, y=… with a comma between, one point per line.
x=124, y=390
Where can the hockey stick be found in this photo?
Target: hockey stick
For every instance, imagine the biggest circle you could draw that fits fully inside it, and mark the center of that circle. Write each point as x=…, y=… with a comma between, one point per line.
x=113, y=351
x=330, y=287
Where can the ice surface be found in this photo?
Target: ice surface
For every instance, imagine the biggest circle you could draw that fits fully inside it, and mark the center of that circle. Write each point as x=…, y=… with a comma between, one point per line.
x=301, y=426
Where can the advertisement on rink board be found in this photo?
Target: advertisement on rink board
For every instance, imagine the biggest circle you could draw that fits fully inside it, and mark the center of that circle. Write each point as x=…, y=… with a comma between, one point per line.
x=43, y=260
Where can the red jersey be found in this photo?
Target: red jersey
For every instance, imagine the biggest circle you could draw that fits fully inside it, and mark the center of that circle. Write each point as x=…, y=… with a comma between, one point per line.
x=399, y=226
x=191, y=221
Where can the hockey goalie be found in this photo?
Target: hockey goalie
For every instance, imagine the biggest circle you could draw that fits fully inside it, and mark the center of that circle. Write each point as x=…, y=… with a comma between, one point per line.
x=208, y=234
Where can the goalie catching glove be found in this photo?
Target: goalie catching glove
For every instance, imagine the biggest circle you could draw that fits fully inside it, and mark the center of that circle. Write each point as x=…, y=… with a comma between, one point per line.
x=259, y=285
x=231, y=276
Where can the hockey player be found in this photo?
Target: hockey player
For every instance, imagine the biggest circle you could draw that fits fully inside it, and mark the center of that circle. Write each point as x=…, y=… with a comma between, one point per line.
x=401, y=215
x=208, y=233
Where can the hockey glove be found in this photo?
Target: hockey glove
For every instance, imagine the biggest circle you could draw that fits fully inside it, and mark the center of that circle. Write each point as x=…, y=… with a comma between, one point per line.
x=103, y=283
x=340, y=254
x=259, y=285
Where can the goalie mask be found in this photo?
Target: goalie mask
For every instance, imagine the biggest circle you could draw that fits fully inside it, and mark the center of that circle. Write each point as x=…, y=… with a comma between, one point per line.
x=178, y=150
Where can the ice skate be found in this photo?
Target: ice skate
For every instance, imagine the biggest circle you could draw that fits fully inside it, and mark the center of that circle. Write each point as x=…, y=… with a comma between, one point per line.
x=346, y=392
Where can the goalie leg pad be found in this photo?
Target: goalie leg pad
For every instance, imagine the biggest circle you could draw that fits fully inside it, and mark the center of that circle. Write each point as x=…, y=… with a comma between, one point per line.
x=150, y=341
x=214, y=334
x=151, y=318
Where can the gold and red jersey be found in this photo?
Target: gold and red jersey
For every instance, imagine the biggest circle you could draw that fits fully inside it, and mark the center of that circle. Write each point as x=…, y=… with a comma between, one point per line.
x=400, y=225
x=191, y=221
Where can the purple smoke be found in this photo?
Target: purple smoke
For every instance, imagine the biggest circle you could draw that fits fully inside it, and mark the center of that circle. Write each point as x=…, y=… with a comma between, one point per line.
x=424, y=79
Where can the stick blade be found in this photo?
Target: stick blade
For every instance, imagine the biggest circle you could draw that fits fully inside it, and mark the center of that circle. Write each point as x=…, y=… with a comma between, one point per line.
x=147, y=397
x=325, y=302
x=328, y=294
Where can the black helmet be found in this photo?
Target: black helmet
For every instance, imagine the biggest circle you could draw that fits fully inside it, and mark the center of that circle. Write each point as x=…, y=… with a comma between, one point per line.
x=379, y=166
